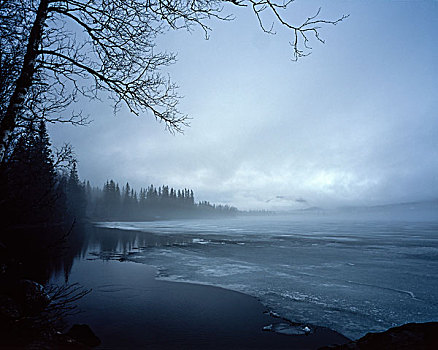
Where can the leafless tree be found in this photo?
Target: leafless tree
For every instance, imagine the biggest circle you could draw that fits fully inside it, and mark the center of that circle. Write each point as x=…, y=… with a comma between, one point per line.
x=61, y=301
x=53, y=51
x=63, y=157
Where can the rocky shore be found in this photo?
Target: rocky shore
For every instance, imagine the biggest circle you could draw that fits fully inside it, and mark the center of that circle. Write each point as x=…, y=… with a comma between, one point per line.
x=411, y=336
x=28, y=320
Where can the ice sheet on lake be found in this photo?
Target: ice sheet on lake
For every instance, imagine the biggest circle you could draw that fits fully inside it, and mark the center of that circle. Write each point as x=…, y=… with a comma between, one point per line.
x=351, y=276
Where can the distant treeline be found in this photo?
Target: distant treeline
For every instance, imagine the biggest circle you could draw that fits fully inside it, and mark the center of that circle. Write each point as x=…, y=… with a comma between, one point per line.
x=113, y=202
x=43, y=202
x=40, y=186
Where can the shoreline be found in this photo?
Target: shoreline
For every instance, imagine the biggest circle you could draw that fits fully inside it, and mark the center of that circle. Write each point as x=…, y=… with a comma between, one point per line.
x=130, y=308
x=135, y=306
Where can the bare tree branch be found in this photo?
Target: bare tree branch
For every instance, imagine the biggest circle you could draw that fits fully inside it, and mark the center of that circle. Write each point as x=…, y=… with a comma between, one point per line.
x=64, y=49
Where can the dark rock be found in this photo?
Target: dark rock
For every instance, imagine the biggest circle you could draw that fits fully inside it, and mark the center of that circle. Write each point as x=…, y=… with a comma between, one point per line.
x=411, y=336
x=83, y=334
x=63, y=341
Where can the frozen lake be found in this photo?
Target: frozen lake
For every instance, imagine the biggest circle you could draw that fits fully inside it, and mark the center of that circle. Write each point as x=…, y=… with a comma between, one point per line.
x=352, y=276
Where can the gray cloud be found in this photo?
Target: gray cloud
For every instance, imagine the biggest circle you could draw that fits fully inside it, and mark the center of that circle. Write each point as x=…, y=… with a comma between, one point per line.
x=354, y=123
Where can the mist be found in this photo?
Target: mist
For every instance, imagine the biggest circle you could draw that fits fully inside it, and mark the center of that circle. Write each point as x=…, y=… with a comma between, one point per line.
x=242, y=174
x=354, y=123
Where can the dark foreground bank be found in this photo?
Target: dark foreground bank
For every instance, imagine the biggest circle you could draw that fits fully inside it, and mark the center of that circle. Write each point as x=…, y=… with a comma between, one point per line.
x=410, y=336
x=129, y=308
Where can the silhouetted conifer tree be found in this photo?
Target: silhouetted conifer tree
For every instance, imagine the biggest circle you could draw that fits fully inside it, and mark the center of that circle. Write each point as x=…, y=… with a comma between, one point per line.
x=76, y=199
x=31, y=193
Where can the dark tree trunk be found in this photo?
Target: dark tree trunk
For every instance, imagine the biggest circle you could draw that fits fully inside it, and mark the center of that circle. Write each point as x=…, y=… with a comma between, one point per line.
x=25, y=80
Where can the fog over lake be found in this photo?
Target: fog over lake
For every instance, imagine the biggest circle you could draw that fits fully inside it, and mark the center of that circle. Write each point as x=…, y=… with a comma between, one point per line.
x=242, y=174
x=354, y=123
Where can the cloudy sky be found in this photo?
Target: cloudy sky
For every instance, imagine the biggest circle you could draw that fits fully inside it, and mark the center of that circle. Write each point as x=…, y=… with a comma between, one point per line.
x=354, y=123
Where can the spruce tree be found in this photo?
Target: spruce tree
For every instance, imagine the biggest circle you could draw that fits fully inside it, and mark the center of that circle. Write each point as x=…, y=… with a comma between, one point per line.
x=31, y=194
x=76, y=200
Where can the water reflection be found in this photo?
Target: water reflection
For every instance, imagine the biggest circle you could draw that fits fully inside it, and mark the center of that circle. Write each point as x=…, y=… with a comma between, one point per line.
x=39, y=252
x=91, y=242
